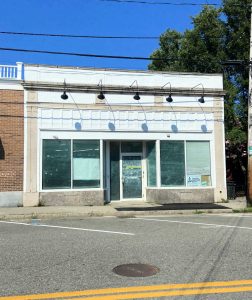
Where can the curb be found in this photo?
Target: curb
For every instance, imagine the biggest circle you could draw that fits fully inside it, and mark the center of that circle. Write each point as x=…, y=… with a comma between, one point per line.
x=118, y=214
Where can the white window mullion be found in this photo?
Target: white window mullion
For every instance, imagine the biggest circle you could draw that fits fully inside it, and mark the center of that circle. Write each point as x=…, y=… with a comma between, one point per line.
x=144, y=171
x=185, y=163
x=108, y=170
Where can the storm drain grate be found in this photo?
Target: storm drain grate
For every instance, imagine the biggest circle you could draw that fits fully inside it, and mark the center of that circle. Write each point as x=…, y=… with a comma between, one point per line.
x=136, y=270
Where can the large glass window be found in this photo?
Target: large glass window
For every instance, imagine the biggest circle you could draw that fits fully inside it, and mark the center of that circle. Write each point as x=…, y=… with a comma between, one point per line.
x=59, y=159
x=56, y=164
x=151, y=163
x=86, y=164
x=172, y=161
x=198, y=164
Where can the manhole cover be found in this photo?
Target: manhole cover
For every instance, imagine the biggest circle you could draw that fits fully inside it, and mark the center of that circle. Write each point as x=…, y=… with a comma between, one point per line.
x=136, y=270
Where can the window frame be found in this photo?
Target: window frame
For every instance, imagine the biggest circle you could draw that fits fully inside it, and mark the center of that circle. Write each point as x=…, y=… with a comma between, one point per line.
x=184, y=173
x=147, y=164
x=210, y=163
x=72, y=164
x=71, y=189
x=41, y=173
x=158, y=166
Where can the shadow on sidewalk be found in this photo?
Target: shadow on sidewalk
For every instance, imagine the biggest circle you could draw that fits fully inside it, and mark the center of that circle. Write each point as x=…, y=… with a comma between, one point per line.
x=173, y=207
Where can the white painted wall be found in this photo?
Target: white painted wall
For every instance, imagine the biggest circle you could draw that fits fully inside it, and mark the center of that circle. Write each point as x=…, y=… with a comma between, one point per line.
x=72, y=75
x=112, y=99
x=74, y=121
x=125, y=120
x=6, y=84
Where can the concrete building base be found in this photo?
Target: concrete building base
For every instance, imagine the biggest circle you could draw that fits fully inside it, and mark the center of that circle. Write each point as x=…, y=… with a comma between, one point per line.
x=11, y=199
x=30, y=199
x=71, y=198
x=167, y=196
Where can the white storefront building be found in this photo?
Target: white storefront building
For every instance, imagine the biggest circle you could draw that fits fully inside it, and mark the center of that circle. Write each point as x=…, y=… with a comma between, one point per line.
x=101, y=144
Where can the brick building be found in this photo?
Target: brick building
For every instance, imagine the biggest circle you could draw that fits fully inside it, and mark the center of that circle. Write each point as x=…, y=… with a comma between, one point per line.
x=11, y=135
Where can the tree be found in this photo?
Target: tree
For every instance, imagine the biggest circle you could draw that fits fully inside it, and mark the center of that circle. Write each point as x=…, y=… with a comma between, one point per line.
x=170, y=44
x=237, y=35
x=218, y=35
x=196, y=50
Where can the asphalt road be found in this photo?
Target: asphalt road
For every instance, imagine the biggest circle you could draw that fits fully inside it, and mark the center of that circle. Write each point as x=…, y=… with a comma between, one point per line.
x=79, y=255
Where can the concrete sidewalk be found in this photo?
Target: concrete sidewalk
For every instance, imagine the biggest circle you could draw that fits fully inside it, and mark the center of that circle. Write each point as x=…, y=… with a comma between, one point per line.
x=117, y=209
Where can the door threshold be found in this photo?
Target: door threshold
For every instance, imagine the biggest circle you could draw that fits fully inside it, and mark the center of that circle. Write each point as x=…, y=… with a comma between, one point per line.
x=128, y=200
x=132, y=199
x=125, y=204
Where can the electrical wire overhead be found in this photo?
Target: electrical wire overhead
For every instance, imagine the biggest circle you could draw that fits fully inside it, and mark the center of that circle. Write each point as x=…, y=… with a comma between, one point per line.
x=162, y=3
x=85, y=54
x=231, y=62
x=171, y=3
x=60, y=35
x=79, y=36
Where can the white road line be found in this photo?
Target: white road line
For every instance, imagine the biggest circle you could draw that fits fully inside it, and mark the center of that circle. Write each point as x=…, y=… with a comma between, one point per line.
x=64, y=227
x=208, y=227
x=238, y=215
x=194, y=223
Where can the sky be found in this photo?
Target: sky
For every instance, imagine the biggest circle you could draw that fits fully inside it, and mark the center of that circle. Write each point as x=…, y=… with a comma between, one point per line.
x=89, y=17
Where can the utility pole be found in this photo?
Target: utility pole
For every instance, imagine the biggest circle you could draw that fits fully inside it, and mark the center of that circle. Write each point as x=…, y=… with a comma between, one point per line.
x=249, y=171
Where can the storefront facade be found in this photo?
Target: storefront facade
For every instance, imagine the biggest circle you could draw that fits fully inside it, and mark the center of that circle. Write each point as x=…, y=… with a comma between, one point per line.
x=122, y=135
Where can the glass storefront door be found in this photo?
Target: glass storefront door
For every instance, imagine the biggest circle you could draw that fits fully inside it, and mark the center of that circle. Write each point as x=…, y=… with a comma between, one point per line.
x=131, y=176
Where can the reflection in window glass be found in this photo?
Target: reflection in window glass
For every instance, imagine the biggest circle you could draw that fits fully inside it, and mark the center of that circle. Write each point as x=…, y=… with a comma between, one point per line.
x=151, y=163
x=198, y=164
x=86, y=164
x=115, y=171
x=131, y=147
x=56, y=164
x=172, y=163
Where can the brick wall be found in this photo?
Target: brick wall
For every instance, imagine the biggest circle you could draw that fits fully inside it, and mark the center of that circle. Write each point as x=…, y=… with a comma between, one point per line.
x=11, y=140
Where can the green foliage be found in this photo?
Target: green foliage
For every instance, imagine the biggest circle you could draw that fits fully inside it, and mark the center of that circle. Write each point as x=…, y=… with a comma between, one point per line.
x=243, y=210
x=236, y=135
x=170, y=44
x=196, y=50
x=218, y=35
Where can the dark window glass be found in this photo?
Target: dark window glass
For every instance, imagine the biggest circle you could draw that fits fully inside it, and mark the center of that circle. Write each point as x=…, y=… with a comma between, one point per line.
x=56, y=164
x=115, y=171
x=131, y=176
x=131, y=147
x=151, y=163
x=172, y=161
